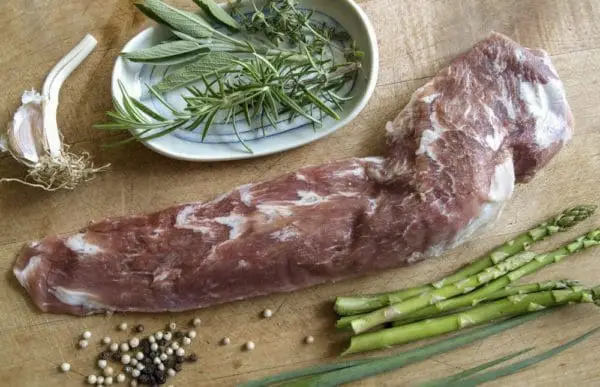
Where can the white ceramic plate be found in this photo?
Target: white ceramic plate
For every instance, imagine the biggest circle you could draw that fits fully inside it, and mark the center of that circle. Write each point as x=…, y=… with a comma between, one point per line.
x=221, y=143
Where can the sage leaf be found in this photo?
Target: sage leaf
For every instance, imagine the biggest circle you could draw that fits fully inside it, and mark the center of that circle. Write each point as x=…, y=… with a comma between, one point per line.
x=149, y=13
x=218, y=13
x=208, y=64
x=187, y=22
x=170, y=52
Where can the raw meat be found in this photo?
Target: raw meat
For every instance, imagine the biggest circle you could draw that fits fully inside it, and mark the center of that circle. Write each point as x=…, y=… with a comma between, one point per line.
x=494, y=117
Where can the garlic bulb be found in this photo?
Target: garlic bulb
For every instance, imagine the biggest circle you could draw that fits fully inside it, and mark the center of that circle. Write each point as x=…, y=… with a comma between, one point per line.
x=34, y=140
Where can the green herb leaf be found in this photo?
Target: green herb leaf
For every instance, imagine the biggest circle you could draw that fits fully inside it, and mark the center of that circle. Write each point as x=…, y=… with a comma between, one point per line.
x=518, y=366
x=349, y=371
x=209, y=64
x=166, y=52
x=187, y=22
x=445, y=382
x=149, y=13
x=218, y=13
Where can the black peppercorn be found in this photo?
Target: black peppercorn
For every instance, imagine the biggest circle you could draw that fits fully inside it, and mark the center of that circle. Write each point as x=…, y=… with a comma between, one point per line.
x=192, y=358
x=178, y=367
x=139, y=328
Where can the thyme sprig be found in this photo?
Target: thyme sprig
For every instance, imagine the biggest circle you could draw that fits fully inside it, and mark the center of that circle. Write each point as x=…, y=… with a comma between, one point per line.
x=276, y=66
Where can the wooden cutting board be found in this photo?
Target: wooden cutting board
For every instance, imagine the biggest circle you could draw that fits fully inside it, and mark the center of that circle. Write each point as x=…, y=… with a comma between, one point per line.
x=416, y=38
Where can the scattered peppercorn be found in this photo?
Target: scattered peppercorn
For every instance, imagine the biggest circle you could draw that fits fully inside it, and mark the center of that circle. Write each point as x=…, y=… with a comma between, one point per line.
x=123, y=326
x=309, y=339
x=249, y=346
x=186, y=341
x=172, y=326
x=192, y=358
x=178, y=367
x=139, y=328
x=267, y=313
x=65, y=367
x=82, y=344
x=86, y=335
x=196, y=322
x=106, y=340
x=225, y=341
x=92, y=379
x=192, y=334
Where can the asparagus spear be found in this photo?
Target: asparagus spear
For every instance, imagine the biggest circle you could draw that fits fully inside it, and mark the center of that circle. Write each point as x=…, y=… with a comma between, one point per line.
x=496, y=277
x=563, y=221
x=506, y=307
x=379, y=365
x=433, y=311
x=465, y=301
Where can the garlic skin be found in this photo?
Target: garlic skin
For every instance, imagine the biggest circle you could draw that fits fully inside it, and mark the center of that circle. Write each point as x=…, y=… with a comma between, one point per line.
x=25, y=133
x=33, y=138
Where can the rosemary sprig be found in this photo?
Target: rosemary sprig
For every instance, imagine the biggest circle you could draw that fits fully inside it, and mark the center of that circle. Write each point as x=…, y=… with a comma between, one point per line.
x=241, y=77
x=256, y=88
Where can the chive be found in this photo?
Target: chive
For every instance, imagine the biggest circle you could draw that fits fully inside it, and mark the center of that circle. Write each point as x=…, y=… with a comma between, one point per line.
x=335, y=374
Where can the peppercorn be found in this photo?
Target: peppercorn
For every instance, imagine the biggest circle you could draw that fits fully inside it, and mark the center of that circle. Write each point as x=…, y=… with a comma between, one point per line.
x=116, y=356
x=192, y=358
x=178, y=367
x=104, y=355
x=144, y=378
x=196, y=322
x=178, y=335
x=139, y=328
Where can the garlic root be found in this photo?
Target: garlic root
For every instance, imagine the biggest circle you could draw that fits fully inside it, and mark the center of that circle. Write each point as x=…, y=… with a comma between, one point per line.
x=33, y=138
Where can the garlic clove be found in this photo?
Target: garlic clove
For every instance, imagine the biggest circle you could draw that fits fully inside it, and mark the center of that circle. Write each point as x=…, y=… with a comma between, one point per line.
x=24, y=137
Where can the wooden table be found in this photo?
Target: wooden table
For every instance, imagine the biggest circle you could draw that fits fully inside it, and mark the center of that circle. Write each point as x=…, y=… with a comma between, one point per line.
x=416, y=38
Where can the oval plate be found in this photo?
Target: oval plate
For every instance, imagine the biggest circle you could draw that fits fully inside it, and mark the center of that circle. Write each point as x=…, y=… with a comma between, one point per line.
x=221, y=144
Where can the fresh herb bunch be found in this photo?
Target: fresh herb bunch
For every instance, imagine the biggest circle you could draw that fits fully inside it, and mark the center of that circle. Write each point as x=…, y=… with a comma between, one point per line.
x=283, y=22
x=256, y=76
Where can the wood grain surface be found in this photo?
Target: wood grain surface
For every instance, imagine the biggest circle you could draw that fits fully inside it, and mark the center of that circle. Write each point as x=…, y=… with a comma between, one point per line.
x=416, y=38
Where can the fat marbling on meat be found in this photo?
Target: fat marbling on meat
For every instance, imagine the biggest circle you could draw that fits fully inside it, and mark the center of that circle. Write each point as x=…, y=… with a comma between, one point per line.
x=493, y=118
